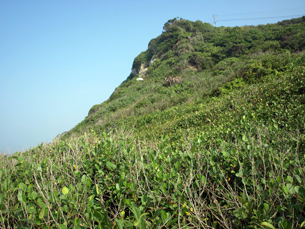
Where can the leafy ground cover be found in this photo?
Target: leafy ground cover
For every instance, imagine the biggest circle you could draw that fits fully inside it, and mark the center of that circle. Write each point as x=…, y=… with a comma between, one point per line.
x=106, y=182
x=224, y=148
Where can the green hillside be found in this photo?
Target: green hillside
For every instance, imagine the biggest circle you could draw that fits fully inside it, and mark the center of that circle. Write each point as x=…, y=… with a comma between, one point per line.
x=212, y=136
x=205, y=62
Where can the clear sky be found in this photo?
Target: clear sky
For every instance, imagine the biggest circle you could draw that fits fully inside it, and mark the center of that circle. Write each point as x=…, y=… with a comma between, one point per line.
x=58, y=58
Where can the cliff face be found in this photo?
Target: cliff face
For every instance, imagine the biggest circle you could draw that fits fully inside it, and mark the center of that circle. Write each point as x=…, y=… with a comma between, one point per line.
x=141, y=64
x=142, y=71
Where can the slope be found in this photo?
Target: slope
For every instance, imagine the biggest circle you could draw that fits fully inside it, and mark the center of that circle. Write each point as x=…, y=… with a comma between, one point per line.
x=191, y=62
x=213, y=137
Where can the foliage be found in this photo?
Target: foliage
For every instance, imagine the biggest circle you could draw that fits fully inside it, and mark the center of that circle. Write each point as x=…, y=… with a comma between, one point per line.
x=222, y=149
x=94, y=109
x=116, y=182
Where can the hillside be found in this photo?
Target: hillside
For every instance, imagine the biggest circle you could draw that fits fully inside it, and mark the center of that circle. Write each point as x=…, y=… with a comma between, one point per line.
x=211, y=137
x=203, y=62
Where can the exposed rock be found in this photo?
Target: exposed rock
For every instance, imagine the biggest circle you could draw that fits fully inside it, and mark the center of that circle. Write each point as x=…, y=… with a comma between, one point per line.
x=152, y=60
x=143, y=71
x=172, y=80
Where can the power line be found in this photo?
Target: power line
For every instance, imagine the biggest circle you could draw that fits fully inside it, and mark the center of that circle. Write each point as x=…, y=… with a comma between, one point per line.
x=266, y=11
x=241, y=19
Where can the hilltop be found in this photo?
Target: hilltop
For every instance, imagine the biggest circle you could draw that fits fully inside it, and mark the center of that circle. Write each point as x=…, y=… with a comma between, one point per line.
x=212, y=136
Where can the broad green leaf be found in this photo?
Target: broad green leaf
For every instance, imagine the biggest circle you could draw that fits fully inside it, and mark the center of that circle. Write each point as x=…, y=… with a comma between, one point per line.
x=32, y=209
x=19, y=195
x=66, y=208
x=5, y=184
x=39, y=169
x=193, y=149
x=41, y=213
x=163, y=216
x=266, y=224
x=22, y=186
x=30, y=187
x=197, y=183
x=225, y=154
x=84, y=179
x=203, y=179
x=298, y=178
x=127, y=201
x=290, y=188
x=266, y=207
x=244, y=138
x=65, y=190
x=120, y=223
x=89, y=182
x=290, y=179
x=137, y=213
x=117, y=186
x=142, y=223
x=240, y=173
x=79, y=186
x=110, y=165
x=286, y=224
x=136, y=223
x=177, y=165
x=71, y=187
x=23, y=197
x=285, y=189
x=157, y=213
x=56, y=193
x=62, y=226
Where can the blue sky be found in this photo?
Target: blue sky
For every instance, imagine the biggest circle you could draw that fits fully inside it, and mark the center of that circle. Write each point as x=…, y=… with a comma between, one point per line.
x=58, y=58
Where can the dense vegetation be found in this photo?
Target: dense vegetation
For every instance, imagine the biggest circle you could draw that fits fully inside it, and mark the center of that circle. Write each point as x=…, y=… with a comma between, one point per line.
x=212, y=138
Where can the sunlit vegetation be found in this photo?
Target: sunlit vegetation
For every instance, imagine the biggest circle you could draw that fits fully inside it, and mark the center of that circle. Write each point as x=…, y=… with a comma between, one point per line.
x=213, y=137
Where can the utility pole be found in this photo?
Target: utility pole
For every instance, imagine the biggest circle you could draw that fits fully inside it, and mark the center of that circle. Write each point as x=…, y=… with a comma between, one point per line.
x=214, y=19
